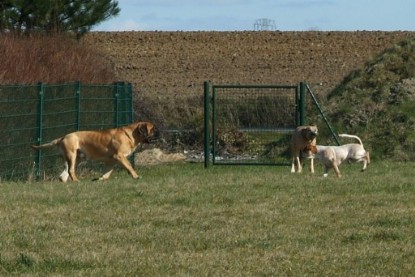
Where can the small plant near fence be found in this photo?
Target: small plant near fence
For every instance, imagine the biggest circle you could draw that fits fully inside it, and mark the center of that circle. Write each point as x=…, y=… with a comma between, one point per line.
x=34, y=114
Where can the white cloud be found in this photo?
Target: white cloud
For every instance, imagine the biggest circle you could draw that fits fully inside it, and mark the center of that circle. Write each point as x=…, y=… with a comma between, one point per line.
x=129, y=25
x=121, y=25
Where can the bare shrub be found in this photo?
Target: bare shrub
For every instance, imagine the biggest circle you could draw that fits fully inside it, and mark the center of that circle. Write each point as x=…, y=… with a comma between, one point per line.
x=50, y=59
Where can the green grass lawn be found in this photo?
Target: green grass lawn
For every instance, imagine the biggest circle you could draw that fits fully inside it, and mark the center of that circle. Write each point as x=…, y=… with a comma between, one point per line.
x=184, y=220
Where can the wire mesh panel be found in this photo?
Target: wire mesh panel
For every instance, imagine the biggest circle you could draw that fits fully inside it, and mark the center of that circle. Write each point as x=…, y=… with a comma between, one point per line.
x=253, y=124
x=57, y=116
x=18, y=110
x=123, y=105
x=97, y=106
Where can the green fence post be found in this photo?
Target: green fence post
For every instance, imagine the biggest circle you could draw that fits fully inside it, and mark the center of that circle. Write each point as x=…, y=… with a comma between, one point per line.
x=116, y=108
x=40, y=107
x=214, y=128
x=130, y=101
x=302, y=104
x=78, y=105
x=206, y=123
x=125, y=104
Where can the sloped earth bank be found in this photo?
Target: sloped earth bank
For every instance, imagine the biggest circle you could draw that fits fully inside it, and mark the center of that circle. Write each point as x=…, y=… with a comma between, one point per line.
x=167, y=69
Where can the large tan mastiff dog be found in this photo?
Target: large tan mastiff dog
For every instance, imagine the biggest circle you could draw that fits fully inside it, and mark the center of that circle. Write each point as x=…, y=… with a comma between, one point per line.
x=110, y=146
x=302, y=137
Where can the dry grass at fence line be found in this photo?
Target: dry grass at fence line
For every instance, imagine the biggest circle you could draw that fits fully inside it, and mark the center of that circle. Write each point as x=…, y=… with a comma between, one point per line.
x=183, y=220
x=156, y=156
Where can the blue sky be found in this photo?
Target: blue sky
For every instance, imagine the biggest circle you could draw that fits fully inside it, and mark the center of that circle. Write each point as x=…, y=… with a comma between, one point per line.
x=239, y=15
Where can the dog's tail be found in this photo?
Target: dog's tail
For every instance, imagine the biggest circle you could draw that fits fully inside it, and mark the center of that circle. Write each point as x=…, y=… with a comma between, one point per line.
x=351, y=136
x=49, y=144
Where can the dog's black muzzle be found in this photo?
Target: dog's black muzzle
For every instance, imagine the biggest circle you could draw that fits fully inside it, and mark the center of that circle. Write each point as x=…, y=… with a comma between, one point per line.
x=154, y=137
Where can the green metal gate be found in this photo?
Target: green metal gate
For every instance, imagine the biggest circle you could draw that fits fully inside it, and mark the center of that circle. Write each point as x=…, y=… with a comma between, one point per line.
x=251, y=124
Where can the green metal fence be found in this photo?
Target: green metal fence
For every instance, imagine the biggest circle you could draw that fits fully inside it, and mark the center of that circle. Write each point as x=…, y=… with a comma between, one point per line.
x=251, y=124
x=34, y=114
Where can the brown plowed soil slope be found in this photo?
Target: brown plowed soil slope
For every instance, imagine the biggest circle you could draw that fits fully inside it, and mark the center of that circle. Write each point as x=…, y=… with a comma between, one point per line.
x=179, y=62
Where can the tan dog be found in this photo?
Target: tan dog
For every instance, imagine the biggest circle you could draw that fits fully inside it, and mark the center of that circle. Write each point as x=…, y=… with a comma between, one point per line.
x=333, y=156
x=109, y=146
x=302, y=137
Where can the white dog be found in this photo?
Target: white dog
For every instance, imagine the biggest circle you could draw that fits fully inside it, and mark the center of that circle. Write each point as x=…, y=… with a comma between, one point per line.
x=333, y=156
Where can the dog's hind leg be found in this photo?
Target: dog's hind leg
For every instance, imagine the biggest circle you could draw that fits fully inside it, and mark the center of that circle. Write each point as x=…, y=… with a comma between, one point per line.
x=69, y=153
x=336, y=169
x=293, y=165
x=364, y=165
x=64, y=175
x=326, y=171
x=71, y=160
x=366, y=161
x=296, y=160
x=312, y=165
x=299, y=165
x=109, y=168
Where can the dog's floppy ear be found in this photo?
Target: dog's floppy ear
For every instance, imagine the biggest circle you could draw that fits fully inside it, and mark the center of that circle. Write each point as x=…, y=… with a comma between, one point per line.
x=310, y=147
x=150, y=129
x=142, y=129
x=145, y=129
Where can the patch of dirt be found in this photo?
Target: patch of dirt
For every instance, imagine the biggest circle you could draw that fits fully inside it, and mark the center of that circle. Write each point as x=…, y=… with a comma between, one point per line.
x=156, y=156
x=179, y=62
